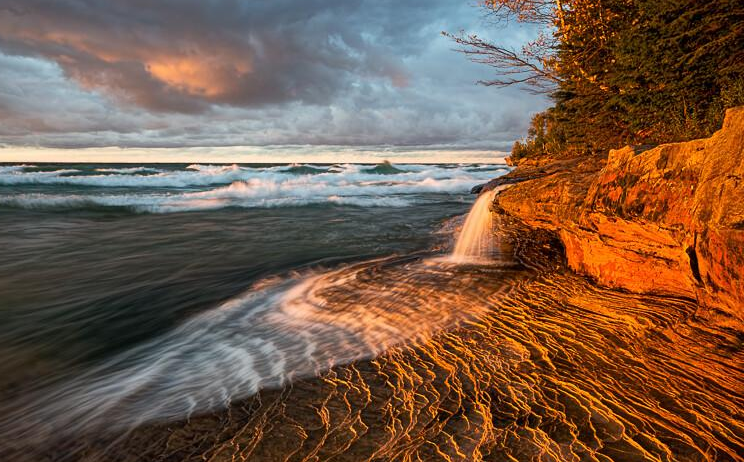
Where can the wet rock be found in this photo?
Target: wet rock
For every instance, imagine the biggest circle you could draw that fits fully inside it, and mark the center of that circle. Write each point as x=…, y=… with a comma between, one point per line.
x=477, y=188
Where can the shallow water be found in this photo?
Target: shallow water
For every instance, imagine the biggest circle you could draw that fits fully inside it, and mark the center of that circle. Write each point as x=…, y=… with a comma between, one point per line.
x=97, y=259
x=365, y=344
x=122, y=278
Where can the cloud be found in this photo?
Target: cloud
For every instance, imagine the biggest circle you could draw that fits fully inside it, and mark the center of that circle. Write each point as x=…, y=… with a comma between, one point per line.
x=77, y=73
x=180, y=56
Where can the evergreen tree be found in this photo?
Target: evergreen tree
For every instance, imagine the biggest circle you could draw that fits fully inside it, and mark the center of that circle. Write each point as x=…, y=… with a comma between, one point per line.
x=621, y=71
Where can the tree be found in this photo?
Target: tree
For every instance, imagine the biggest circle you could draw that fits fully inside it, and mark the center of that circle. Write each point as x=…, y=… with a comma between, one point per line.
x=534, y=65
x=621, y=71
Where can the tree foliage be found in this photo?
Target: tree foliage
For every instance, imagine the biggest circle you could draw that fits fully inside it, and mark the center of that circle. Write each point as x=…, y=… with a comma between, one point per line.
x=620, y=71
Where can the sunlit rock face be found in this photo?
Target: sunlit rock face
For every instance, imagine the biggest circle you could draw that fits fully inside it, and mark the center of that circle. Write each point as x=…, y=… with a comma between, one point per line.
x=667, y=220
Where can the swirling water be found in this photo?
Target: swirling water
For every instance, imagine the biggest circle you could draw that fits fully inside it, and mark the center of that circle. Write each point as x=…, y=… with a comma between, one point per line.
x=142, y=322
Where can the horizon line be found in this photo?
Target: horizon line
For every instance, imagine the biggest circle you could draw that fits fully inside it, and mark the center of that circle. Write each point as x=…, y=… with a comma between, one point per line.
x=251, y=155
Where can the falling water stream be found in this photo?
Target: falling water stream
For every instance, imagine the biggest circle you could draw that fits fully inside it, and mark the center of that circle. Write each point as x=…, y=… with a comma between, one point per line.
x=477, y=240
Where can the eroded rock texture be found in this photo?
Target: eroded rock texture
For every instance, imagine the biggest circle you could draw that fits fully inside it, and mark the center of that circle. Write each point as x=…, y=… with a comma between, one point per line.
x=667, y=220
x=549, y=368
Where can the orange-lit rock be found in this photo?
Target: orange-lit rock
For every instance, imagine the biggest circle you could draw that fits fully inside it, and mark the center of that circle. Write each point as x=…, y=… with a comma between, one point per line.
x=667, y=220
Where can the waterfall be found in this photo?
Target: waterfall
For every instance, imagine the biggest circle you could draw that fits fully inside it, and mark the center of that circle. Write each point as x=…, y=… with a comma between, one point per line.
x=476, y=241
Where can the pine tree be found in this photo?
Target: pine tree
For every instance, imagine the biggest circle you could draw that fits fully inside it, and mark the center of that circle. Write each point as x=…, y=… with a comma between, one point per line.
x=621, y=71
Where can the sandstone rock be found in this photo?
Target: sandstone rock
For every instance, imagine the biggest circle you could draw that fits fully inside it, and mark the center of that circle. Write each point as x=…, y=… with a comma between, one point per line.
x=666, y=220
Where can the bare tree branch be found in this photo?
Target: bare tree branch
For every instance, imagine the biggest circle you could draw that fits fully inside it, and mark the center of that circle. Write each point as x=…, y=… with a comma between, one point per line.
x=533, y=66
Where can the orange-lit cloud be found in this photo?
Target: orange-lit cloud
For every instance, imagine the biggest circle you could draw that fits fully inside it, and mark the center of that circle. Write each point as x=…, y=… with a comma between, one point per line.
x=198, y=75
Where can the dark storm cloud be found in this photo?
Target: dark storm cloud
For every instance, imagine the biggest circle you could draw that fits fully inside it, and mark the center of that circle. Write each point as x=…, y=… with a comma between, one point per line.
x=231, y=72
x=179, y=55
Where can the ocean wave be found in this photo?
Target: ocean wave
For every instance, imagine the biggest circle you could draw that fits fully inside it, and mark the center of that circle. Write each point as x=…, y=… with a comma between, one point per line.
x=305, y=170
x=144, y=203
x=226, y=186
x=212, y=168
x=487, y=168
x=19, y=175
x=274, y=190
x=385, y=168
x=197, y=175
x=15, y=168
x=137, y=203
x=128, y=170
x=165, y=179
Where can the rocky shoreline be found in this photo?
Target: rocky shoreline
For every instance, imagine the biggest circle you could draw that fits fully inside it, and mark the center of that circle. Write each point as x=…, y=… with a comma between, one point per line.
x=667, y=220
x=552, y=367
x=549, y=366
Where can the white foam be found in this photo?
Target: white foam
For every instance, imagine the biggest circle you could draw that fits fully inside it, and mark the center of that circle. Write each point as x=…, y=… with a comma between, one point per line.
x=205, y=175
x=175, y=179
x=172, y=204
x=476, y=241
x=14, y=168
x=244, y=187
x=127, y=170
x=278, y=331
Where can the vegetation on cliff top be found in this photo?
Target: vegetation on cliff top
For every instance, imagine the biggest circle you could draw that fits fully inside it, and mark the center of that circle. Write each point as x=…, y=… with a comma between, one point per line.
x=620, y=71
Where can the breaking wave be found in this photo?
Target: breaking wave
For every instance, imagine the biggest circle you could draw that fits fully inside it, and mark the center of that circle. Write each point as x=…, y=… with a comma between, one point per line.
x=126, y=170
x=14, y=168
x=187, y=202
x=210, y=187
x=385, y=168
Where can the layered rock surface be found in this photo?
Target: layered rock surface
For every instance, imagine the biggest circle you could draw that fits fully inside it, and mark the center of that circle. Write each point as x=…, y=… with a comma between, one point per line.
x=548, y=367
x=667, y=220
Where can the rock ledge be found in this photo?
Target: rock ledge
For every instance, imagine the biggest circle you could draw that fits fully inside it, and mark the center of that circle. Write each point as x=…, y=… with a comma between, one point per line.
x=667, y=220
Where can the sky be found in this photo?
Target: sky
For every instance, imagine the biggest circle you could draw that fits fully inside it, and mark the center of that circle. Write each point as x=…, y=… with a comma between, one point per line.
x=251, y=81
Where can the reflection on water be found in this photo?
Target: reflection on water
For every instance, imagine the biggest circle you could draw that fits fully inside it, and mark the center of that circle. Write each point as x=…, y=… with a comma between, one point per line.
x=420, y=360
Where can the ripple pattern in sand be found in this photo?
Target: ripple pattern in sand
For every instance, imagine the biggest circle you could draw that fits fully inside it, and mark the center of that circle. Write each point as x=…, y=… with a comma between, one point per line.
x=554, y=369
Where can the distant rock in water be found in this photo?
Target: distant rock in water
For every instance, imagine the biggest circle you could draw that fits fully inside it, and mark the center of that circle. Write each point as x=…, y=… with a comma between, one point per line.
x=667, y=220
x=385, y=168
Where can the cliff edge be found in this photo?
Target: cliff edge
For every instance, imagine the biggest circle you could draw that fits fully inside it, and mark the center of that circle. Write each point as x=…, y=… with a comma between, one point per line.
x=666, y=220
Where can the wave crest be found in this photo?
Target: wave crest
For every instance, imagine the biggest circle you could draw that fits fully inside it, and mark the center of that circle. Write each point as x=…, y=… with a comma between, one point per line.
x=219, y=187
